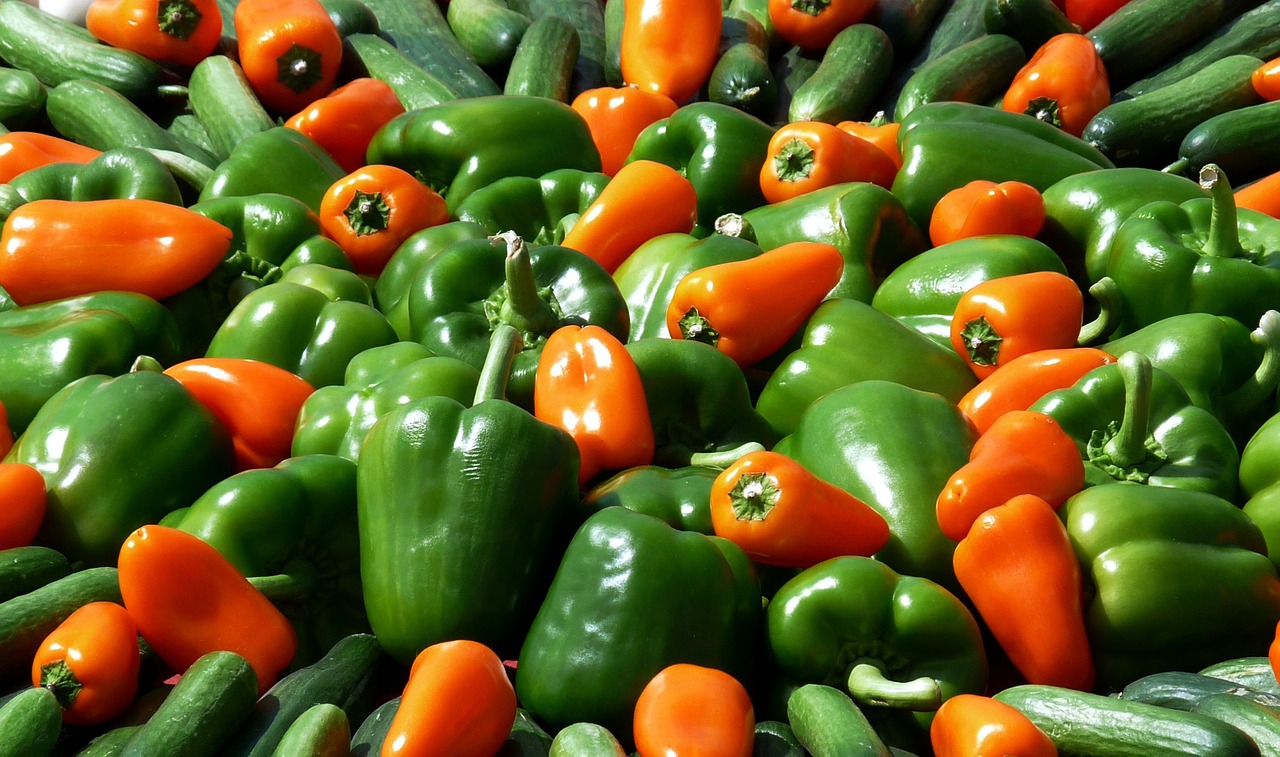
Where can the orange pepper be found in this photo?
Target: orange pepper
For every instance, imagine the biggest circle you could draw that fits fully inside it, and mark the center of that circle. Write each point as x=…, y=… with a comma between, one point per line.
x=616, y=116
x=812, y=24
x=1023, y=452
x=806, y=155
x=781, y=514
x=6, y=434
x=694, y=711
x=258, y=403
x=289, y=49
x=1266, y=80
x=344, y=121
x=588, y=385
x=183, y=32
x=24, y=501
x=970, y=725
x=748, y=309
x=670, y=46
x=985, y=207
x=1273, y=653
x=1262, y=195
x=189, y=601
x=90, y=662
x=21, y=151
x=878, y=131
x=1002, y=318
x=51, y=249
x=1020, y=571
x=1027, y=378
x=371, y=211
x=1064, y=83
x=1087, y=14
x=644, y=200
x=458, y=702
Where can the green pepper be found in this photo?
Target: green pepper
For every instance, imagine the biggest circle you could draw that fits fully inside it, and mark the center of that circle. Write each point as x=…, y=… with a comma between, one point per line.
x=1260, y=482
x=461, y=513
x=1135, y=423
x=391, y=291
x=44, y=347
x=1202, y=256
x=118, y=453
x=1180, y=579
x=123, y=172
x=718, y=148
x=457, y=147
x=335, y=419
x=295, y=166
x=541, y=210
x=335, y=283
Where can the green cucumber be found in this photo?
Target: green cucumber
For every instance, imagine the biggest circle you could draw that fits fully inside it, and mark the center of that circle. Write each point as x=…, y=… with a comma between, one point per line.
x=27, y=619
x=790, y=71
x=974, y=72
x=1255, y=719
x=186, y=127
x=22, y=98
x=30, y=724
x=1144, y=34
x=587, y=18
x=1179, y=690
x=24, y=569
x=1031, y=22
x=224, y=101
x=586, y=740
x=210, y=702
x=962, y=21
x=418, y=29
x=828, y=723
x=351, y=17
x=1083, y=724
x=322, y=731
x=613, y=18
x=853, y=69
x=109, y=743
x=487, y=29
x=372, y=56
x=907, y=22
x=544, y=61
x=775, y=738
x=1244, y=143
x=368, y=738
x=741, y=77
x=1254, y=672
x=526, y=739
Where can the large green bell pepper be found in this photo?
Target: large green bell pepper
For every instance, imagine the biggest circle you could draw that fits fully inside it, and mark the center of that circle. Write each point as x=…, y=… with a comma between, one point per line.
x=541, y=210
x=391, y=290
x=279, y=160
x=123, y=172
x=1260, y=482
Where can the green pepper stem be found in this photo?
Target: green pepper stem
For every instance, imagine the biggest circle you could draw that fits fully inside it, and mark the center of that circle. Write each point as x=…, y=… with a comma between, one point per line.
x=298, y=580
x=146, y=363
x=1108, y=296
x=734, y=225
x=59, y=678
x=1129, y=445
x=524, y=308
x=723, y=458
x=869, y=686
x=1246, y=398
x=503, y=346
x=1224, y=231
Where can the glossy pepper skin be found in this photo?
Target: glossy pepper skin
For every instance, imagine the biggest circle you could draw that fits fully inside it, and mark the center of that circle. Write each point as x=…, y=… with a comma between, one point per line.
x=1260, y=482
x=1179, y=579
x=100, y=487
x=125, y=172
x=679, y=497
x=540, y=209
x=460, y=146
x=391, y=290
x=301, y=168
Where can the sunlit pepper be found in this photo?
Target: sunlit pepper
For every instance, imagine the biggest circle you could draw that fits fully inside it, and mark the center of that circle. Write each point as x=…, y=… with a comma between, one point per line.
x=183, y=32
x=1064, y=83
x=1002, y=318
x=984, y=207
x=1027, y=378
x=616, y=116
x=809, y=155
x=971, y=725
x=812, y=24
x=371, y=211
x=344, y=121
x=670, y=46
x=21, y=151
x=90, y=662
x=23, y=495
x=694, y=710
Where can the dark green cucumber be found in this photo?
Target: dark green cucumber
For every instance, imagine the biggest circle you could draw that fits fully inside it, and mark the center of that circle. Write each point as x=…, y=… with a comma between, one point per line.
x=613, y=18
x=791, y=70
x=210, y=702
x=224, y=101
x=526, y=739
x=1244, y=143
x=853, y=69
x=741, y=77
x=1147, y=130
x=489, y=30
x=1031, y=22
x=1179, y=690
x=27, y=619
x=56, y=51
x=775, y=738
x=185, y=126
x=1255, y=719
x=588, y=740
x=828, y=723
x=322, y=731
x=24, y=569
x=110, y=743
x=961, y=21
x=22, y=98
x=907, y=22
x=1144, y=34
x=974, y=72
x=587, y=18
x=368, y=738
x=418, y=29
x=544, y=61
x=351, y=17
x=1082, y=724
x=372, y=56
x=30, y=724
x=1253, y=672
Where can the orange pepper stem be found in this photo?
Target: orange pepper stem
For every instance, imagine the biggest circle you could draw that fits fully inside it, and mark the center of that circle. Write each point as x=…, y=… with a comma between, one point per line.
x=298, y=68
x=1045, y=109
x=178, y=18
x=725, y=458
x=1128, y=446
x=794, y=161
x=868, y=685
x=981, y=341
x=812, y=7
x=59, y=678
x=1107, y=294
x=299, y=580
x=367, y=213
x=1255, y=389
x=503, y=346
x=1224, y=234
x=695, y=327
x=525, y=307
x=754, y=495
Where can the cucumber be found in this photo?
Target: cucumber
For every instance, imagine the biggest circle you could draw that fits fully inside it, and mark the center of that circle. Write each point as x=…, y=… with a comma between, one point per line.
x=1083, y=724
x=907, y=22
x=741, y=77
x=22, y=98
x=351, y=17
x=368, y=738
x=372, y=56
x=1183, y=691
x=1031, y=22
x=1245, y=143
x=30, y=724
x=223, y=100
x=587, y=740
x=1146, y=130
x=1253, y=672
x=828, y=723
x=27, y=619
x=974, y=72
x=790, y=71
x=962, y=21
x=186, y=127
x=1143, y=34
x=587, y=18
x=853, y=69
x=109, y=743
x=322, y=731
x=418, y=29
x=613, y=18
x=210, y=702
x=24, y=569
x=1255, y=719
x=56, y=51
x=544, y=61
x=487, y=29
x=526, y=739
x=775, y=738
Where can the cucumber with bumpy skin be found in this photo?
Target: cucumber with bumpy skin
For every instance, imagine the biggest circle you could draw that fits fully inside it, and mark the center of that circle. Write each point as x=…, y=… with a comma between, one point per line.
x=24, y=569
x=828, y=723
x=27, y=619
x=1254, y=672
x=1143, y=34
x=1255, y=719
x=488, y=29
x=1244, y=143
x=418, y=29
x=974, y=72
x=322, y=731
x=30, y=724
x=22, y=98
x=1179, y=690
x=223, y=100
x=853, y=69
x=543, y=63
x=208, y=705
x=372, y=56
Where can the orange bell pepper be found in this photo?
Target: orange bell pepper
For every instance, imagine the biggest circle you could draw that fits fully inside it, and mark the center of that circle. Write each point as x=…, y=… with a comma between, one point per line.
x=51, y=249
x=670, y=46
x=696, y=711
x=616, y=116
x=290, y=51
x=372, y=210
x=24, y=499
x=645, y=199
x=970, y=725
x=1020, y=571
x=781, y=514
x=748, y=309
x=6, y=434
x=345, y=120
x=1266, y=80
x=1273, y=653
x=258, y=403
x=189, y=601
x=182, y=32
x=1025, y=379
x=1023, y=452
x=1262, y=195
x=458, y=702
x=1002, y=318
x=808, y=155
x=21, y=151
x=90, y=662
x=1064, y=83
x=1087, y=14
x=985, y=207
x=878, y=131
x=812, y=24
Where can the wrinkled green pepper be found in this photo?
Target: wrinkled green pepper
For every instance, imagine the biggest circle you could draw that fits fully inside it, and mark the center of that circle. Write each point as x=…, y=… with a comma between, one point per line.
x=296, y=166
x=391, y=291
x=541, y=210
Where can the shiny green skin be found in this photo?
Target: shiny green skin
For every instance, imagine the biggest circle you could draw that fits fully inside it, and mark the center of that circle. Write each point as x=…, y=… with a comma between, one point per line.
x=851, y=610
x=301, y=330
x=22, y=99
x=298, y=516
x=299, y=168
x=1260, y=482
x=648, y=277
x=718, y=148
x=335, y=283
x=679, y=497
x=335, y=419
x=321, y=731
x=119, y=453
x=462, y=512
x=121, y=173
x=846, y=341
x=632, y=596
x=46, y=346
x=391, y=291
x=924, y=291
x=1180, y=579
x=585, y=740
x=894, y=448
x=866, y=222
x=540, y=210
x=460, y=146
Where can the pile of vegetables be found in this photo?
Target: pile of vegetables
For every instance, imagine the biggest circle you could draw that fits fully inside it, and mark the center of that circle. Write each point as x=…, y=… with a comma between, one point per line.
x=668, y=377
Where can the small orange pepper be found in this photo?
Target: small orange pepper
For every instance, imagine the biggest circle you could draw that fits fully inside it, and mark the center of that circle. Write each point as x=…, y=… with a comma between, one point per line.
x=670, y=46
x=290, y=51
x=880, y=132
x=1027, y=378
x=183, y=32
x=1262, y=195
x=693, y=710
x=21, y=151
x=1064, y=83
x=985, y=207
x=371, y=211
x=6, y=433
x=812, y=24
x=24, y=500
x=616, y=116
x=970, y=725
x=1002, y=318
x=344, y=121
x=1087, y=14
x=1266, y=80
x=807, y=155
x=90, y=662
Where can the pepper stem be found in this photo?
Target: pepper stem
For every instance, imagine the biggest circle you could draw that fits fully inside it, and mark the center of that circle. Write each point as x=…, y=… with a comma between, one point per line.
x=1045, y=109
x=1129, y=446
x=694, y=326
x=503, y=346
x=981, y=341
x=754, y=496
x=298, y=580
x=733, y=225
x=794, y=161
x=367, y=213
x=59, y=678
x=724, y=458
x=1246, y=398
x=869, y=686
x=1108, y=296
x=524, y=307
x=178, y=18
x=146, y=363
x=811, y=7
x=1224, y=232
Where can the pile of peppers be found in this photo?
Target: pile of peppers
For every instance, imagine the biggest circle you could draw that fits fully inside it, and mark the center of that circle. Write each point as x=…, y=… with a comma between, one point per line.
x=619, y=418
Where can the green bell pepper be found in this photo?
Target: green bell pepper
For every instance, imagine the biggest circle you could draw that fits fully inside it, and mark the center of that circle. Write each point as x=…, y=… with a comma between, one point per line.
x=460, y=146
x=1180, y=579
x=118, y=453
x=295, y=166
x=541, y=210
x=1260, y=482
x=335, y=283
x=120, y=173
x=391, y=291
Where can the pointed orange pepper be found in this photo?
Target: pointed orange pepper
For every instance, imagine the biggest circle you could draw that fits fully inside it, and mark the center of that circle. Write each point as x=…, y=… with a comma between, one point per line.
x=90, y=662
x=344, y=121
x=1065, y=84
x=1027, y=378
x=1266, y=80
x=616, y=116
x=807, y=155
x=24, y=500
x=984, y=207
x=670, y=46
x=372, y=210
x=183, y=32
x=1262, y=195
x=1002, y=318
x=21, y=151
x=972, y=725
x=880, y=132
